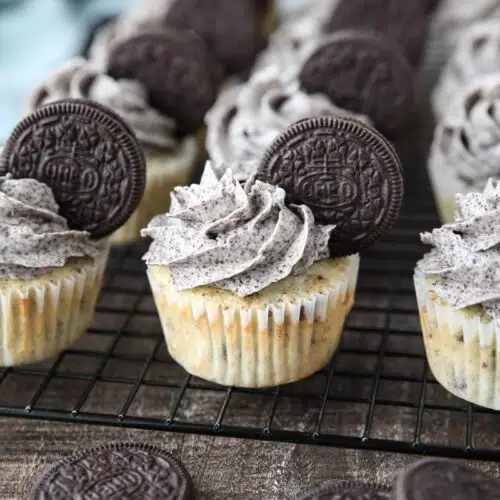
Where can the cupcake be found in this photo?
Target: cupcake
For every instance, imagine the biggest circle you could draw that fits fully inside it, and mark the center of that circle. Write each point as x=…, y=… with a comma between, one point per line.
x=458, y=293
x=252, y=284
x=235, y=32
x=465, y=151
x=50, y=276
x=447, y=25
x=172, y=145
x=70, y=174
x=246, y=119
x=477, y=54
x=242, y=283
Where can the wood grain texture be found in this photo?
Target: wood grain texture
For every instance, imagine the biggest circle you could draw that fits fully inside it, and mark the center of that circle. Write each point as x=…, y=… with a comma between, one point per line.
x=222, y=468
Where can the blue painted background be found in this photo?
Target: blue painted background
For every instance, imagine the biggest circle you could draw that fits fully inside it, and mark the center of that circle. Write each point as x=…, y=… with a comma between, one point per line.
x=37, y=35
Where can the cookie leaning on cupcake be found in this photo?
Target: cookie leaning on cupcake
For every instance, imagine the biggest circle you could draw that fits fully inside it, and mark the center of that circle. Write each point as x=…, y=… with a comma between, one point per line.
x=235, y=32
x=161, y=84
x=70, y=174
x=351, y=73
x=253, y=284
x=458, y=292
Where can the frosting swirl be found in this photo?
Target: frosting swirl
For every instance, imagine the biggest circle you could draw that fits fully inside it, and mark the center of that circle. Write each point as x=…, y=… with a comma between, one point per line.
x=468, y=137
x=33, y=237
x=247, y=118
x=477, y=54
x=80, y=79
x=241, y=239
x=465, y=263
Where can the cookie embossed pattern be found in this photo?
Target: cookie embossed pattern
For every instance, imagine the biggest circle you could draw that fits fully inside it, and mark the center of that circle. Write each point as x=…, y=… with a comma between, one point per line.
x=118, y=470
x=90, y=157
x=352, y=179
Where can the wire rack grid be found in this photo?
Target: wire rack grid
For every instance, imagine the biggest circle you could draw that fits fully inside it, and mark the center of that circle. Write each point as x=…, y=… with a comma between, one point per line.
x=377, y=392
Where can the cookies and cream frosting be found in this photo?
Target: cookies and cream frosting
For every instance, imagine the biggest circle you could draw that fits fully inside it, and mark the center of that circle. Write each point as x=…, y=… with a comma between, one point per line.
x=468, y=137
x=247, y=118
x=236, y=238
x=80, y=79
x=33, y=237
x=477, y=54
x=465, y=263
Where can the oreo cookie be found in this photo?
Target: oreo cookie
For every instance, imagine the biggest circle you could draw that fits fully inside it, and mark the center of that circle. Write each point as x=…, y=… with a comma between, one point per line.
x=364, y=73
x=346, y=172
x=233, y=30
x=348, y=491
x=175, y=67
x=438, y=479
x=88, y=156
x=125, y=471
x=404, y=22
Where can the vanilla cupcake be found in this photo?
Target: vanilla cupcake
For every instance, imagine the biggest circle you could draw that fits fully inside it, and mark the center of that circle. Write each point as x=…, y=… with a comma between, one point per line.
x=476, y=55
x=71, y=173
x=465, y=151
x=245, y=290
x=458, y=292
x=246, y=119
x=50, y=276
x=447, y=25
x=171, y=149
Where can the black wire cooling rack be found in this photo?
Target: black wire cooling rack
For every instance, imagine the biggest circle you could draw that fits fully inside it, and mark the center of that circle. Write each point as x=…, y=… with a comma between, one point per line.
x=377, y=393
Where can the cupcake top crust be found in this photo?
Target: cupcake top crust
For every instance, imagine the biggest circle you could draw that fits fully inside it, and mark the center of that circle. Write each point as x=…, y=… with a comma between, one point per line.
x=82, y=79
x=464, y=264
x=236, y=238
x=468, y=137
x=33, y=238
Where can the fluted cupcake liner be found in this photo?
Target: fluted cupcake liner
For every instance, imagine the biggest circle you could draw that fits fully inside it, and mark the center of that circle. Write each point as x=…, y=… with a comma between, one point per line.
x=462, y=347
x=274, y=343
x=446, y=184
x=165, y=171
x=41, y=317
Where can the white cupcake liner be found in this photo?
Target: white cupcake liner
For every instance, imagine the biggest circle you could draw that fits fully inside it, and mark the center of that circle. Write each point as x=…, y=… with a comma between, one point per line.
x=462, y=347
x=273, y=344
x=164, y=173
x=41, y=317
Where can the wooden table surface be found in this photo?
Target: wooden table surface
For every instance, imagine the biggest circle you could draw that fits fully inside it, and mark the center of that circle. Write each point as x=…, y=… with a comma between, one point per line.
x=222, y=468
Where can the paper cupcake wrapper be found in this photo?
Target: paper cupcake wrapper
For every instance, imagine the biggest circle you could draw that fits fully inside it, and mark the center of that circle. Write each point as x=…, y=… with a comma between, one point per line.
x=462, y=347
x=445, y=184
x=263, y=346
x=41, y=318
x=164, y=173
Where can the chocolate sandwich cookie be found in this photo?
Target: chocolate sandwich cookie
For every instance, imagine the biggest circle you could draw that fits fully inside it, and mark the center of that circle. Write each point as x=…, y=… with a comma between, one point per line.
x=364, y=73
x=348, y=491
x=346, y=172
x=124, y=471
x=175, y=67
x=404, y=22
x=438, y=479
x=233, y=30
x=88, y=156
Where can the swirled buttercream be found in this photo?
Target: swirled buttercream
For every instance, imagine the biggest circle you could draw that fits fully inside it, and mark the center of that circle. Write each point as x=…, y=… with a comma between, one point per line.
x=246, y=119
x=465, y=264
x=477, y=54
x=80, y=79
x=241, y=239
x=33, y=237
x=468, y=137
